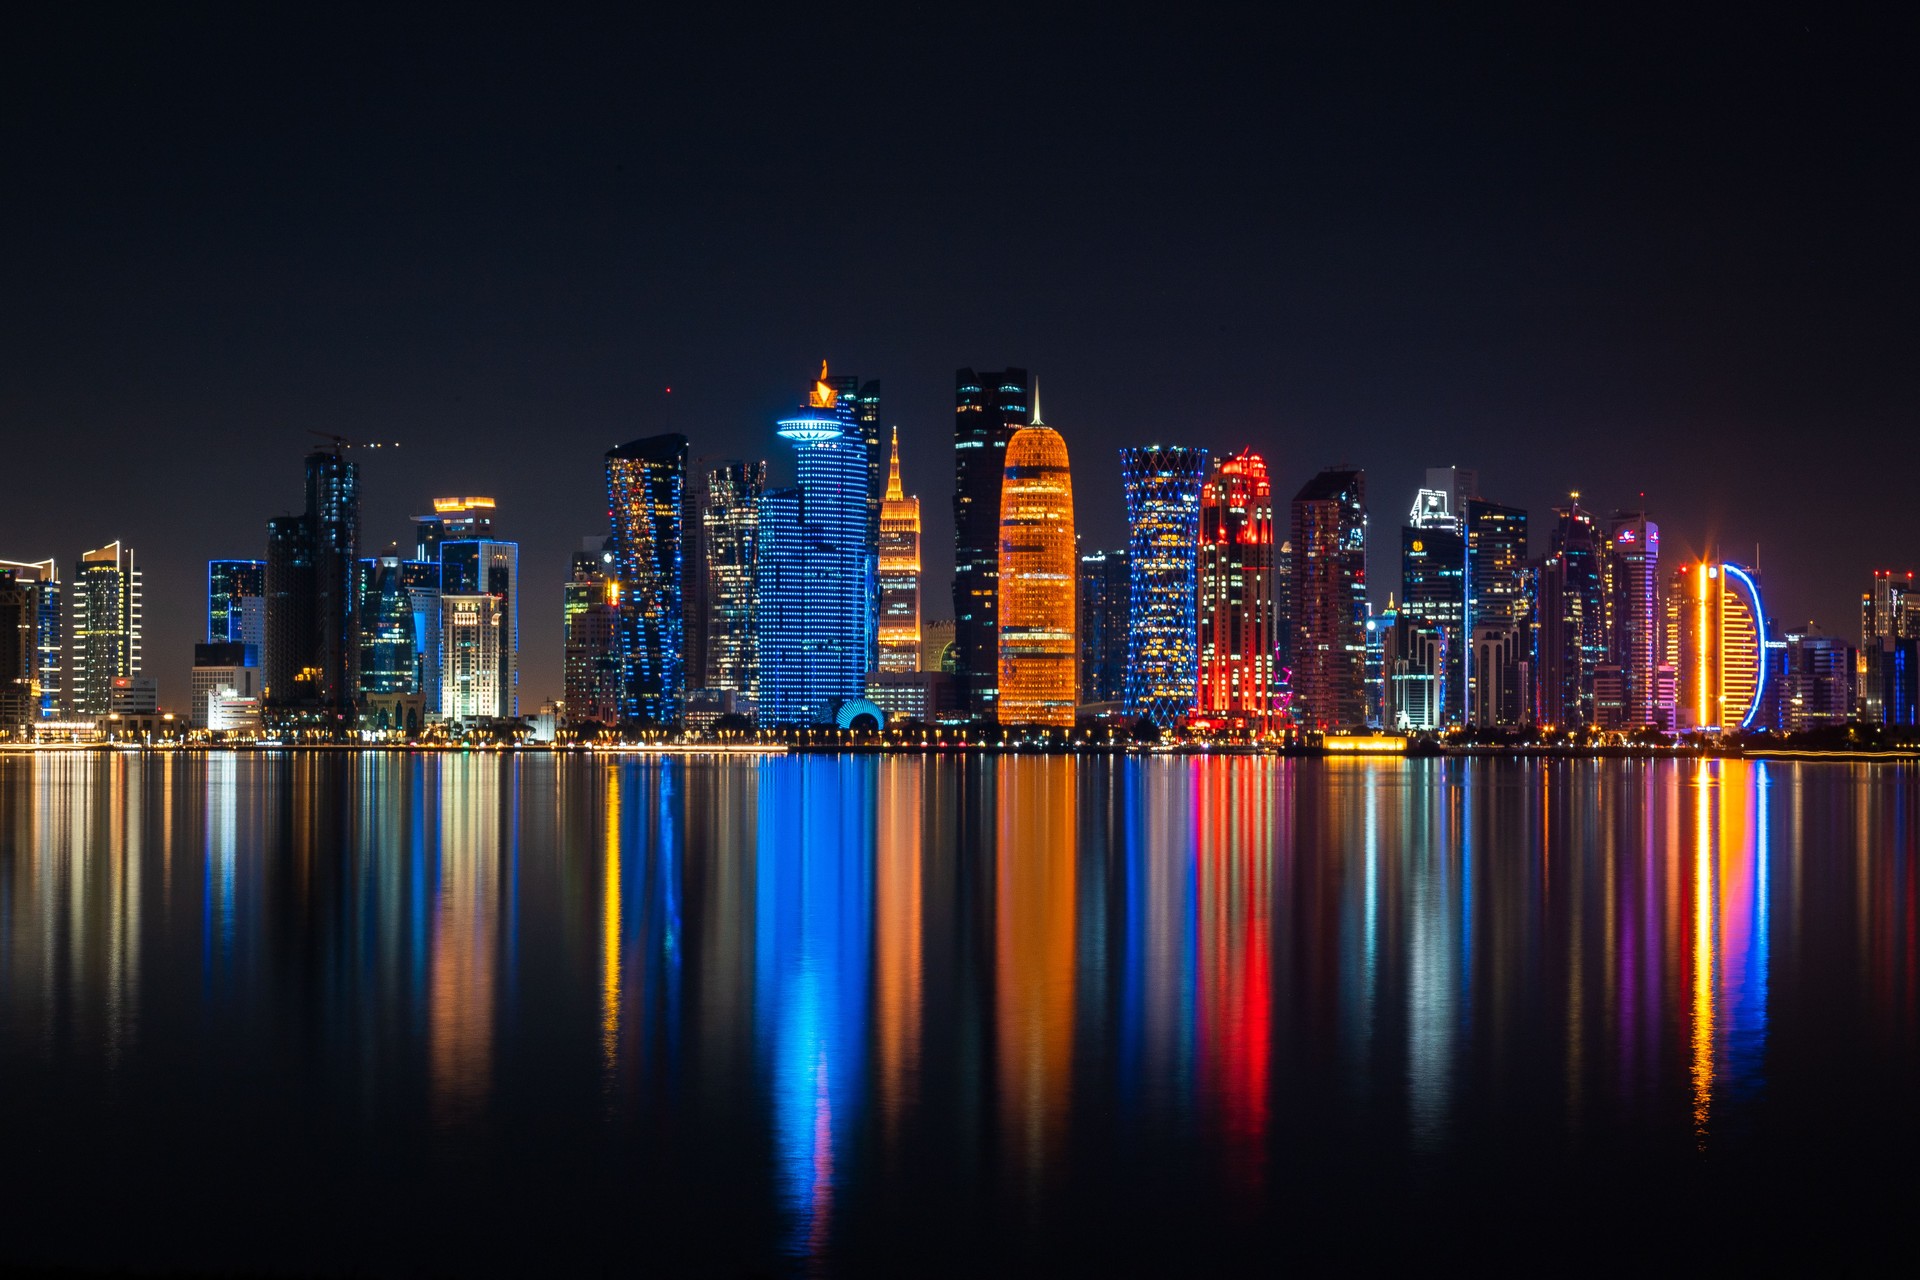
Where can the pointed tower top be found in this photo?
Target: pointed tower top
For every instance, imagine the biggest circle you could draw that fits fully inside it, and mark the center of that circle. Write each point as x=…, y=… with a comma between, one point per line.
x=894, y=492
x=823, y=395
x=1036, y=404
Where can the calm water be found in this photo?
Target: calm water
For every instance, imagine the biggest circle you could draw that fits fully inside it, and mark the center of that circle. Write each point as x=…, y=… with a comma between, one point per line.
x=461, y=1015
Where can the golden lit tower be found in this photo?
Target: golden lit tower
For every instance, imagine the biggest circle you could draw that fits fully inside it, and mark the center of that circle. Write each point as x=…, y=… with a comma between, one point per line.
x=1715, y=630
x=1038, y=571
x=899, y=573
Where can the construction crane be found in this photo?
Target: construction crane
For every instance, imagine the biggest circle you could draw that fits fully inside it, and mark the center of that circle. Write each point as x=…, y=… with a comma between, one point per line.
x=342, y=443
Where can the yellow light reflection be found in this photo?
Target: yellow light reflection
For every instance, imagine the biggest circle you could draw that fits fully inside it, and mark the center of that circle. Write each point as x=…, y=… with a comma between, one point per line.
x=610, y=928
x=897, y=925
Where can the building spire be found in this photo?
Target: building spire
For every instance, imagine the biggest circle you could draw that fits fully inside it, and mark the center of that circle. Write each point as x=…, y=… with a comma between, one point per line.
x=1036, y=404
x=894, y=492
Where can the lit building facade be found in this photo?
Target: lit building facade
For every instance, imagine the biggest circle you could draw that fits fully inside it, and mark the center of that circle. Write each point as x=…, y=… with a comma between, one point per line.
x=453, y=520
x=484, y=566
x=814, y=575
x=1038, y=682
x=1500, y=598
x=988, y=408
x=1239, y=653
x=1715, y=626
x=1103, y=626
x=237, y=605
x=592, y=634
x=44, y=599
x=646, y=493
x=1820, y=677
x=1572, y=636
x=219, y=668
x=729, y=517
x=1329, y=519
x=398, y=606
x=1636, y=618
x=104, y=626
x=899, y=573
x=473, y=644
x=1162, y=487
x=1433, y=589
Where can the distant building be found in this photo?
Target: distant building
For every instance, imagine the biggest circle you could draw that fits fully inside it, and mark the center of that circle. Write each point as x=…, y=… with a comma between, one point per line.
x=925, y=696
x=490, y=567
x=899, y=573
x=592, y=635
x=646, y=490
x=1635, y=619
x=1329, y=518
x=393, y=592
x=104, y=627
x=937, y=652
x=1162, y=487
x=219, y=668
x=311, y=665
x=133, y=696
x=1820, y=673
x=988, y=408
x=1413, y=667
x=1499, y=596
x=1239, y=652
x=236, y=605
x=1433, y=589
x=1501, y=691
x=1889, y=676
x=729, y=652
x=1571, y=605
x=1038, y=683
x=43, y=644
x=17, y=701
x=473, y=649
x=1103, y=626
x=453, y=520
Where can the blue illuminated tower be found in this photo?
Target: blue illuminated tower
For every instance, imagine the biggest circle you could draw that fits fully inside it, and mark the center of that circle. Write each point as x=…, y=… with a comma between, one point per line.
x=236, y=605
x=1163, y=546
x=646, y=487
x=814, y=576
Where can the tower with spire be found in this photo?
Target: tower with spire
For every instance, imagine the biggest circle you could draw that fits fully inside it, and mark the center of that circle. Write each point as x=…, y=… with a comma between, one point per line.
x=1038, y=678
x=899, y=572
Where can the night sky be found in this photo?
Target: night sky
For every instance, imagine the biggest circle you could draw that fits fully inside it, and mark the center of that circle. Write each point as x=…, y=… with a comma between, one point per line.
x=1670, y=257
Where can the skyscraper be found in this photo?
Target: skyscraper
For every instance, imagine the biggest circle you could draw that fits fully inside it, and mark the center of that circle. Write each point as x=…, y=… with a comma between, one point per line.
x=17, y=709
x=1433, y=583
x=592, y=614
x=287, y=676
x=1162, y=487
x=1499, y=613
x=1571, y=605
x=236, y=605
x=483, y=566
x=453, y=520
x=1715, y=626
x=333, y=515
x=1037, y=681
x=46, y=644
x=104, y=627
x=473, y=645
x=814, y=592
x=392, y=654
x=899, y=573
x=646, y=491
x=1103, y=626
x=729, y=522
x=988, y=408
x=1239, y=651
x=1330, y=599
x=1635, y=617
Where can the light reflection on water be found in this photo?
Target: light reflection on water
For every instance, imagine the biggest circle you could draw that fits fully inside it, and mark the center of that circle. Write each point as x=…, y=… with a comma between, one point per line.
x=842, y=1005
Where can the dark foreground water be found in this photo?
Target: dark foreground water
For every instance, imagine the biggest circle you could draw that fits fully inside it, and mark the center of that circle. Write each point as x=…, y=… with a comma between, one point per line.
x=462, y=1015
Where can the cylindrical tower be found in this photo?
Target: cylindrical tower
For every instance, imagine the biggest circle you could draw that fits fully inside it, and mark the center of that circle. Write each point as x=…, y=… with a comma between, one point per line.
x=1038, y=569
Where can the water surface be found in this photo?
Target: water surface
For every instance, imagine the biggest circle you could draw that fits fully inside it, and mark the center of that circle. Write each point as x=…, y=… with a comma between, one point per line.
x=475, y=1014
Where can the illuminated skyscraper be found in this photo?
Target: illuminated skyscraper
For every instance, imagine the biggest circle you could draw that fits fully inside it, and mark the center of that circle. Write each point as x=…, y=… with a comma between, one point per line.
x=394, y=640
x=728, y=520
x=1038, y=683
x=1162, y=486
x=988, y=409
x=473, y=644
x=899, y=573
x=1239, y=652
x=646, y=492
x=1433, y=584
x=236, y=605
x=1571, y=606
x=485, y=566
x=453, y=520
x=1103, y=626
x=46, y=643
x=104, y=627
x=592, y=633
x=1330, y=599
x=1715, y=625
x=312, y=658
x=1635, y=618
x=17, y=683
x=1499, y=612
x=814, y=569
x=1891, y=610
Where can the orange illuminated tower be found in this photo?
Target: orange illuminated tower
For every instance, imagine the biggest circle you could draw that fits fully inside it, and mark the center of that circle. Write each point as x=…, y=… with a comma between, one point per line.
x=1237, y=643
x=1715, y=629
x=1038, y=571
x=899, y=573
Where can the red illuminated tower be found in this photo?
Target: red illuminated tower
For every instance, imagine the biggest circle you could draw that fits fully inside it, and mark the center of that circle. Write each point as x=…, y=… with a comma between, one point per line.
x=1238, y=647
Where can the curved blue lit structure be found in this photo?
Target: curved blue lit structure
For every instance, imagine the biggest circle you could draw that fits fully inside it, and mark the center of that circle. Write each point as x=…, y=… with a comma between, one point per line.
x=853, y=708
x=1752, y=588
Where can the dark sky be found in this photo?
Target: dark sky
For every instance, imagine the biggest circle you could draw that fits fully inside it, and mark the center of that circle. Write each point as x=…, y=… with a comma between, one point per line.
x=1671, y=256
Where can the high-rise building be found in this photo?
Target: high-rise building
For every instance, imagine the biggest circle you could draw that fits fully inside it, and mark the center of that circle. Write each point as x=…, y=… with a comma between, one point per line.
x=1413, y=666
x=1501, y=689
x=899, y=572
x=17, y=701
x=1890, y=609
x=1103, y=626
x=236, y=605
x=988, y=408
x=218, y=667
x=1162, y=486
x=394, y=652
x=592, y=633
x=287, y=671
x=39, y=580
x=1038, y=683
x=1379, y=653
x=646, y=503
x=1572, y=636
x=1433, y=589
x=453, y=520
x=104, y=627
x=1500, y=597
x=473, y=646
x=489, y=567
x=1715, y=628
x=814, y=569
x=312, y=657
x=727, y=656
x=1820, y=675
x=1635, y=619
x=862, y=400
x=1329, y=520
x=1239, y=652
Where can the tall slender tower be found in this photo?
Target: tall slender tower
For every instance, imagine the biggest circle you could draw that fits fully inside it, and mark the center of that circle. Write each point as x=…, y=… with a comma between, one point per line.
x=646, y=490
x=1038, y=683
x=1238, y=648
x=1163, y=546
x=1499, y=615
x=899, y=573
x=40, y=579
x=1330, y=599
x=105, y=628
x=729, y=527
x=988, y=408
x=1634, y=614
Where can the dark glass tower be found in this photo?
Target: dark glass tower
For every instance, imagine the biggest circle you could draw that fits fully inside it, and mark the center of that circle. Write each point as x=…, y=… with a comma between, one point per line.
x=1433, y=591
x=1499, y=611
x=236, y=592
x=646, y=489
x=1103, y=626
x=988, y=408
x=1573, y=631
x=333, y=515
x=291, y=629
x=1329, y=521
